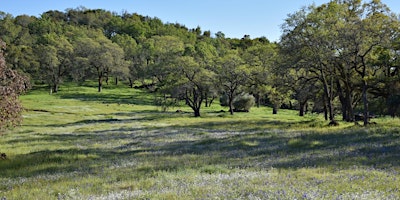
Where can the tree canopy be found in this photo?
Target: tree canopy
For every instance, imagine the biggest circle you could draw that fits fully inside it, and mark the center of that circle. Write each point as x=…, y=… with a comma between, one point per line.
x=336, y=58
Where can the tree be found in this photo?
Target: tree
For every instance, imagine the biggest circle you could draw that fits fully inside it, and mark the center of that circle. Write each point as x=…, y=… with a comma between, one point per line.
x=191, y=80
x=12, y=84
x=231, y=75
x=20, y=50
x=129, y=45
x=260, y=58
x=205, y=54
x=341, y=39
x=307, y=45
x=367, y=28
x=161, y=52
x=100, y=55
x=55, y=54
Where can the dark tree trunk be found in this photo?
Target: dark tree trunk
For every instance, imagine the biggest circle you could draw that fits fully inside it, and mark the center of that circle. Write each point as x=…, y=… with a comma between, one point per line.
x=55, y=88
x=230, y=105
x=196, y=102
x=342, y=100
x=206, y=100
x=130, y=83
x=211, y=101
x=100, y=84
x=365, y=102
x=328, y=97
x=258, y=99
x=275, y=109
x=196, y=112
x=349, y=106
x=325, y=110
x=302, y=108
x=363, y=74
x=116, y=80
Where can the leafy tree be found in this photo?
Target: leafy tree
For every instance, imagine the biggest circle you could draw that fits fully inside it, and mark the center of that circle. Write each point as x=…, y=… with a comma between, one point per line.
x=20, y=50
x=129, y=45
x=368, y=27
x=55, y=55
x=260, y=58
x=231, y=73
x=205, y=54
x=191, y=82
x=307, y=46
x=161, y=53
x=12, y=84
x=100, y=55
x=340, y=38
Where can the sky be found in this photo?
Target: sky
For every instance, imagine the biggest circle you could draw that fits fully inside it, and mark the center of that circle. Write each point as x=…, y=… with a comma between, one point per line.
x=234, y=18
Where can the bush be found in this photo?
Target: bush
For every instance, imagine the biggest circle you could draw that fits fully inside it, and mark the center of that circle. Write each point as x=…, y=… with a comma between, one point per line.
x=243, y=102
x=12, y=84
x=223, y=100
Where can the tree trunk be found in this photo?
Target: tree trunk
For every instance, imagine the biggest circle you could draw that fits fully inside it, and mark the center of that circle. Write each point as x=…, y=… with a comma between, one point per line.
x=325, y=109
x=206, y=99
x=328, y=96
x=365, y=102
x=100, y=84
x=197, y=112
x=302, y=108
x=349, y=106
x=275, y=109
x=258, y=99
x=363, y=74
x=116, y=80
x=130, y=83
x=342, y=100
x=55, y=88
x=211, y=101
x=196, y=102
x=231, y=105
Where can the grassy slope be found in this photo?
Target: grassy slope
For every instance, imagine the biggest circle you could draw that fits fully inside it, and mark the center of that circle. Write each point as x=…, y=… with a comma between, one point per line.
x=80, y=144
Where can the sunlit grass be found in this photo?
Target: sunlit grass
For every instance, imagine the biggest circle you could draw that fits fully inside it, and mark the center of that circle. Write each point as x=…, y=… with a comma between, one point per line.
x=80, y=144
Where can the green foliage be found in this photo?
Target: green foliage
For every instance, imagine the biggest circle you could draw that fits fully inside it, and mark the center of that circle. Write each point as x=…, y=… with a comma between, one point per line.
x=81, y=144
x=337, y=50
x=12, y=84
x=223, y=100
x=339, y=44
x=243, y=102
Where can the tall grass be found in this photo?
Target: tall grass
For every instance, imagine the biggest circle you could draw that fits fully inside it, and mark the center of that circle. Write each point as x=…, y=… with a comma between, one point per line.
x=80, y=144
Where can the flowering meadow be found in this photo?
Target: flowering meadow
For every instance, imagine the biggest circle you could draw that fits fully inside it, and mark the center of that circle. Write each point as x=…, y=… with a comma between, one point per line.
x=80, y=144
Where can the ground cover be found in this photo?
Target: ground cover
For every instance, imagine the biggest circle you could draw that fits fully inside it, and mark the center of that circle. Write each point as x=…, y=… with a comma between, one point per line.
x=80, y=144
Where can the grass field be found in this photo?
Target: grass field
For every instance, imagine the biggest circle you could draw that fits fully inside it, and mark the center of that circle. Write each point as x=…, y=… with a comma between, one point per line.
x=80, y=144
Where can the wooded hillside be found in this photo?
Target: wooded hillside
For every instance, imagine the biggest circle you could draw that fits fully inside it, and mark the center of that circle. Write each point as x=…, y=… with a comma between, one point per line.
x=336, y=58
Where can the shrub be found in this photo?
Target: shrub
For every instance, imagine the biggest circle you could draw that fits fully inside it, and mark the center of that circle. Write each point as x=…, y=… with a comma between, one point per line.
x=243, y=102
x=12, y=84
x=223, y=100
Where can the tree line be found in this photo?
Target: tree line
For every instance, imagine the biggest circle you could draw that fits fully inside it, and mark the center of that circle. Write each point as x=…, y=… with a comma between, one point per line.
x=336, y=58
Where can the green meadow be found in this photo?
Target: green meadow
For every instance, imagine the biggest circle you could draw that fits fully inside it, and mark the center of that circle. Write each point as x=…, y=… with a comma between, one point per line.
x=81, y=144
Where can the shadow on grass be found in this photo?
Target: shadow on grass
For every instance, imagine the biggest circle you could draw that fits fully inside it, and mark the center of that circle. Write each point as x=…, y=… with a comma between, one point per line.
x=111, y=96
x=138, y=116
x=336, y=149
x=206, y=144
x=253, y=125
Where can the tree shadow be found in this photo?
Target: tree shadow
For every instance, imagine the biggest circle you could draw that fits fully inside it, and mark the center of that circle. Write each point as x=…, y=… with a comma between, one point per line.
x=136, y=97
x=208, y=143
